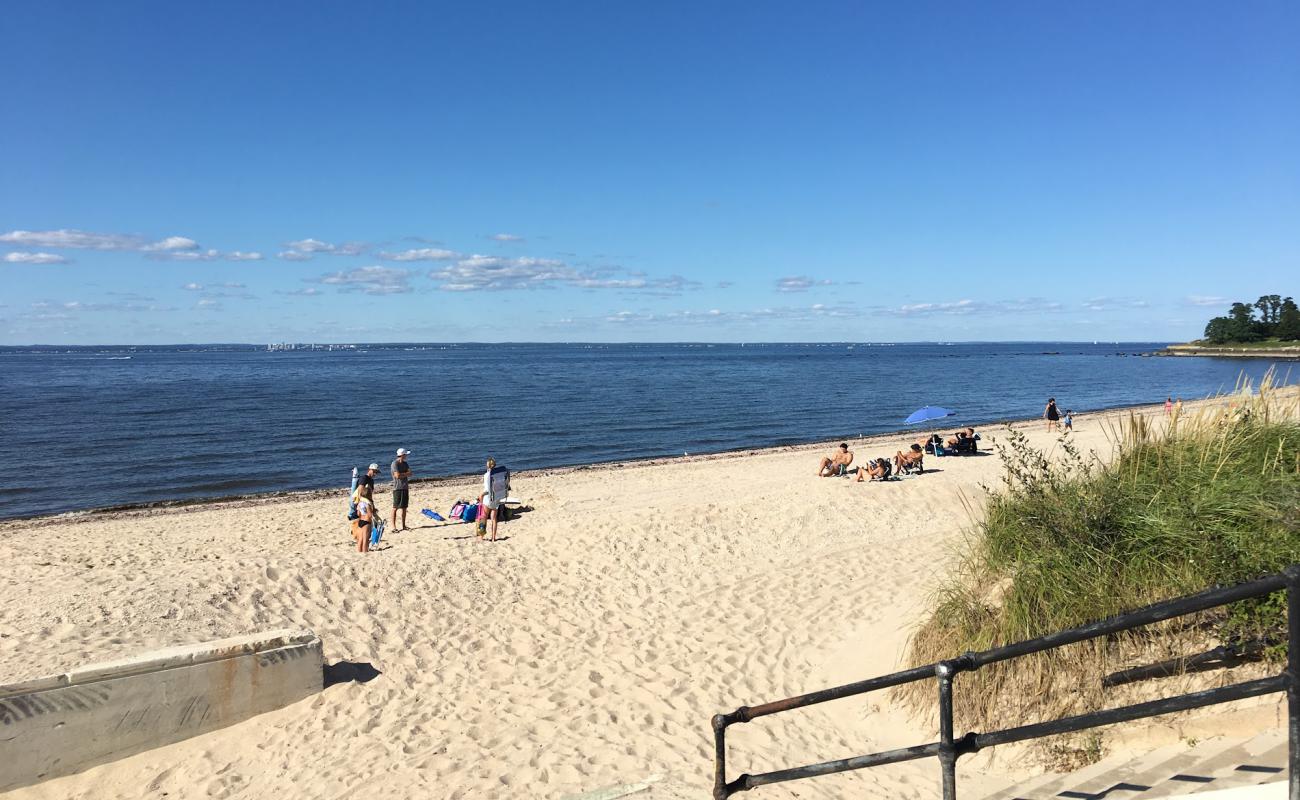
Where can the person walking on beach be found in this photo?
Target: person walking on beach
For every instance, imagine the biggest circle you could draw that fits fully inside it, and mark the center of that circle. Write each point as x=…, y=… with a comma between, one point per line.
x=1169, y=406
x=401, y=486
x=837, y=463
x=1052, y=415
x=496, y=487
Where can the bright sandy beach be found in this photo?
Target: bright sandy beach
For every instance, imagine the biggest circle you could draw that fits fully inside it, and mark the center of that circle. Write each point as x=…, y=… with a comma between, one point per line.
x=586, y=649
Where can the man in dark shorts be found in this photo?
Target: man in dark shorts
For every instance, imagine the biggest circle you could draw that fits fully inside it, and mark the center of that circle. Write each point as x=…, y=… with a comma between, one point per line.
x=401, y=486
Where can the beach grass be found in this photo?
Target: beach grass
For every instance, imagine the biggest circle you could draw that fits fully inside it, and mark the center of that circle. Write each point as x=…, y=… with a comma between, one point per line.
x=1212, y=498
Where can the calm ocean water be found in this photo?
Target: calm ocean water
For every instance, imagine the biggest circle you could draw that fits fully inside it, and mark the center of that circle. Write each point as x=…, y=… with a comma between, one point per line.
x=93, y=428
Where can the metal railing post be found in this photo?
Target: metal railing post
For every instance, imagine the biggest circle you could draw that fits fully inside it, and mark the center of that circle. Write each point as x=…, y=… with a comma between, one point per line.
x=720, y=757
x=947, y=751
x=1292, y=574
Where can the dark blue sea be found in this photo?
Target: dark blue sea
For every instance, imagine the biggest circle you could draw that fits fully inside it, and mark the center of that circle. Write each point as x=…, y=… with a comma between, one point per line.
x=88, y=428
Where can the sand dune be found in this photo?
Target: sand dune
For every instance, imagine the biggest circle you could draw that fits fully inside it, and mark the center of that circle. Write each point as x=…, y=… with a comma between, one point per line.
x=588, y=648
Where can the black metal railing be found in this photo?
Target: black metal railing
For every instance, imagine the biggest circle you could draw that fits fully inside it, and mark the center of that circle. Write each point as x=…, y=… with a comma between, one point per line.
x=949, y=748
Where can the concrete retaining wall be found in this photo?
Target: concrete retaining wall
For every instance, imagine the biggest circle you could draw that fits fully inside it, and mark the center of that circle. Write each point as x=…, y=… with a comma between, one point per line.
x=65, y=723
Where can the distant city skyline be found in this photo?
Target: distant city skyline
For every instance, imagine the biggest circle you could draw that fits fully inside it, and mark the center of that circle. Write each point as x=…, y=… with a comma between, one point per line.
x=600, y=173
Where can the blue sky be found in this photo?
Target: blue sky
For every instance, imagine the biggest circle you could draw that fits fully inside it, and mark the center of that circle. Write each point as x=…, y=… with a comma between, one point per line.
x=175, y=172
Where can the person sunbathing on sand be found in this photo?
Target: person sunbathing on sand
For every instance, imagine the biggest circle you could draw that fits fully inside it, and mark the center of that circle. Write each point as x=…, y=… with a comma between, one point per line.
x=959, y=436
x=837, y=463
x=910, y=459
x=361, y=526
x=877, y=468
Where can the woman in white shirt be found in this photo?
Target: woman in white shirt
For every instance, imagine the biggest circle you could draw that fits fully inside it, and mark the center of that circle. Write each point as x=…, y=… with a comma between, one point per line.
x=491, y=501
x=365, y=521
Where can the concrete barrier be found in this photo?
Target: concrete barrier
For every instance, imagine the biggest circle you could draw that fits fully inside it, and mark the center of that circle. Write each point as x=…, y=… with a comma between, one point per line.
x=66, y=723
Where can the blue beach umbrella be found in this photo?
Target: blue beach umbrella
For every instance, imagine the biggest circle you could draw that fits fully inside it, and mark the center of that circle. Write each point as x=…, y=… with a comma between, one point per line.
x=928, y=413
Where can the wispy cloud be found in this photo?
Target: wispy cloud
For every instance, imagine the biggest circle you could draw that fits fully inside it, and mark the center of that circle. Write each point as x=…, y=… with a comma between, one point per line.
x=81, y=240
x=1113, y=303
x=185, y=255
x=370, y=280
x=310, y=291
x=304, y=249
x=501, y=273
x=972, y=307
x=421, y=254
x=35, y=258
x=1207, y=300
x=169, y=248
x=799, y=283
x=170, y=244
x=507, y=237
x=818, y=312
x=69, y=307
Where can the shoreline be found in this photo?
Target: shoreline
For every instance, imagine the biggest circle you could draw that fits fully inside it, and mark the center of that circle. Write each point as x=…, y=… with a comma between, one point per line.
x=293, y=495
x=1228, y=351
x=589, y=645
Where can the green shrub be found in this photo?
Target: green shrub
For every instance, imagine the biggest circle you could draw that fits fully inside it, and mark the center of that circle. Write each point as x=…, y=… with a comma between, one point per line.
x=1209, y=499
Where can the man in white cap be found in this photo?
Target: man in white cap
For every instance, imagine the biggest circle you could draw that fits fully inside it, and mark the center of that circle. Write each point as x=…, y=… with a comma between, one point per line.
x=368, y=480
x=401, y=486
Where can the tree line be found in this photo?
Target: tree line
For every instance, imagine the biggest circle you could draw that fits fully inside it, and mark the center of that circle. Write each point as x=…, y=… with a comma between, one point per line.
x=1270, y=317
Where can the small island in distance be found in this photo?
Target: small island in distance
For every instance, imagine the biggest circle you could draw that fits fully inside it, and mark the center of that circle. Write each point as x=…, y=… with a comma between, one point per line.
x=1267, y=328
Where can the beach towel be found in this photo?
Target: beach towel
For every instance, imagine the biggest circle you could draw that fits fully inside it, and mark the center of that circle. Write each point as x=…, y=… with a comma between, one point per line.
x=432, y=514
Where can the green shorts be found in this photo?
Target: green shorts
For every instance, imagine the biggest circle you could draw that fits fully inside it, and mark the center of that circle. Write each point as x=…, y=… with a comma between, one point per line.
x=401, y=497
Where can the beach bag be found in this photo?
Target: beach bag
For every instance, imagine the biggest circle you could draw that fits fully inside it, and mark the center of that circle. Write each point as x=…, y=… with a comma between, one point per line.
x=470, y=514
x=457, y=510
x=499, y=482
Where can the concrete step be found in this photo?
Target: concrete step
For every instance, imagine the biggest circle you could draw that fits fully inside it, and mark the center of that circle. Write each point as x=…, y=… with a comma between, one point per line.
x=1120, y=776
x=1182, y=772
x=1225, y=769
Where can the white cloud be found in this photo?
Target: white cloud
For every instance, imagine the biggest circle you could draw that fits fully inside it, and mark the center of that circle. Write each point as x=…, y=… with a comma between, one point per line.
x=311, y=246
x=35, y=258
x=186, y=255
x=964, y=307
x=715, y=316
x=294, y=255
x=238, y=255
x=500, y=273
x=1113, y=303
x=494, y=273
x=306, y=248
x=421, y=254
x=371, y=280
x=170, y=244
x=799, y=283
x=507, y=237
x=1207, y=300
x=193, y=287
x=64, y=237
x=209, y=304
x=310, y=291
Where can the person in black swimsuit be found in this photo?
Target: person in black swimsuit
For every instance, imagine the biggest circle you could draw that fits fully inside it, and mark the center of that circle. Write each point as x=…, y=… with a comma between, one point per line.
x=1052, y=415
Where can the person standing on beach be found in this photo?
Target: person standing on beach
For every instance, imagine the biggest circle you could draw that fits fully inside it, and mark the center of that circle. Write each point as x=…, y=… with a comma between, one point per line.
x=1052, y=415
x=364, y=500
x=401, y=486
x=1169, y=406
x=494, y=493
x=368, y=480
